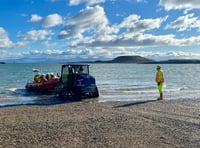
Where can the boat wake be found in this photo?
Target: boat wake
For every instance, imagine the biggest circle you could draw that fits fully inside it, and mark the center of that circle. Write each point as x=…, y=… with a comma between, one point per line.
x=16, y=97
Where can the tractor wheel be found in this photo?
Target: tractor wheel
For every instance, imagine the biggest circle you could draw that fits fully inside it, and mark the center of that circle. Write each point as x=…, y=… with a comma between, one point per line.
x=96, y=93
x=76, y=95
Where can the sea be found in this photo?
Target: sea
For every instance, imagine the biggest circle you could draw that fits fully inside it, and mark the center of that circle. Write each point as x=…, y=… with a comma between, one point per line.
x=115, y=82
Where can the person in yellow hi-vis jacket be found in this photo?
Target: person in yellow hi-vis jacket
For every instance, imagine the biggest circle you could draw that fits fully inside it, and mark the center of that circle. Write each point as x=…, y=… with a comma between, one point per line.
x=160, y=81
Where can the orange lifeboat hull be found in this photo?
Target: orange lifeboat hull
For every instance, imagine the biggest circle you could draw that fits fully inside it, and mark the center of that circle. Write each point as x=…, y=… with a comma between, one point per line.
x=42, y=87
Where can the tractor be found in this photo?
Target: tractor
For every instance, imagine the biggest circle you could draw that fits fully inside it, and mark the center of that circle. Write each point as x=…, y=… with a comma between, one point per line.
x=76, y=83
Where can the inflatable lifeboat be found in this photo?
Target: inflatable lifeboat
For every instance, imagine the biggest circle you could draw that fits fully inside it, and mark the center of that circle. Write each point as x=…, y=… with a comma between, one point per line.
x=47, y=86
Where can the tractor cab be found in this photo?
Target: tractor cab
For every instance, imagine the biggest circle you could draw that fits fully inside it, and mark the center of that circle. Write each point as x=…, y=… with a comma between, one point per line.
x=76, y=83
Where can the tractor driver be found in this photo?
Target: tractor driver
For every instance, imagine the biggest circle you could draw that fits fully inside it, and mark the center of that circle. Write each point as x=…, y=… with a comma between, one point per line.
x=81, y=70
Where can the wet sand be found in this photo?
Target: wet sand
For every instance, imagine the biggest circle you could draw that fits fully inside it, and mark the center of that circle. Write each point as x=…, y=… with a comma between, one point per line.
x=146, y=124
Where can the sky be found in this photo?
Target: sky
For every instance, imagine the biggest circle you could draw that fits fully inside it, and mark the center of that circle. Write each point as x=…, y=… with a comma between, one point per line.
x=36, y=30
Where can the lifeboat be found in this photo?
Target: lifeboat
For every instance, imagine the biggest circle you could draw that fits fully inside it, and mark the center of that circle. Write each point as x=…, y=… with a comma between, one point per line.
x=47, y=86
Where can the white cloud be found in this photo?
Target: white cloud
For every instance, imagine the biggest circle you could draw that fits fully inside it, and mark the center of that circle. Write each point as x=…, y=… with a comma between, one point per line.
x=173, y=55
x=88, y=2
x=135, y=25
x=35, y=18
x=91, y=35
x=46, y=52
x=180, y=4
x=186, y=22
x=188, y=41
x=48, y=44
x=90, y=21
x=139, y=1
x=4, y=55
x=36, y=35
x=93, y=24
x=99, y=53
x=52, y=20
x=49, y=21
x=5, y=42
x=53, y=0
x=133, y=36
x=136, y=41
x=130, y=33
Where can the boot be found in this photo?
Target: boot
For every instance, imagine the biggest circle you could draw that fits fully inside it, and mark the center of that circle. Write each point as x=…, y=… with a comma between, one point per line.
x=161, y=97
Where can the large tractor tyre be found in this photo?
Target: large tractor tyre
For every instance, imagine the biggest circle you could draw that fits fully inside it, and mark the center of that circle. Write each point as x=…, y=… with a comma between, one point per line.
x=96, y=93
x=76, y=95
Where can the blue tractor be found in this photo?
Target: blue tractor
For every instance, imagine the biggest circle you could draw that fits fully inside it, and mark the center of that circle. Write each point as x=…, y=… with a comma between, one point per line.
x=76, y=83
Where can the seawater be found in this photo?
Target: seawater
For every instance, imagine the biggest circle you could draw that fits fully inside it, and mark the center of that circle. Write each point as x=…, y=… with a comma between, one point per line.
x=116, y=82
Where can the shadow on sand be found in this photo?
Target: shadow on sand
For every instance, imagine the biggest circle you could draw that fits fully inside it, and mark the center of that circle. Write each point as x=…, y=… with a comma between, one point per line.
x=134, y=103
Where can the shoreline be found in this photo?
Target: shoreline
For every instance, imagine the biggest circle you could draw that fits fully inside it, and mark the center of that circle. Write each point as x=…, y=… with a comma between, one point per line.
x=168, y=123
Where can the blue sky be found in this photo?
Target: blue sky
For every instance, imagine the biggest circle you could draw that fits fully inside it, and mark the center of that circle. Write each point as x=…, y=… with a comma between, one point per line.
x=35, y=30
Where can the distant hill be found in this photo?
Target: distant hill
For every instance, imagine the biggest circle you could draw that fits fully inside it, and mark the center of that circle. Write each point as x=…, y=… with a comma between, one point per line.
x=178, y=61
x=142, y=60
x=128, y=59
x=2, y=63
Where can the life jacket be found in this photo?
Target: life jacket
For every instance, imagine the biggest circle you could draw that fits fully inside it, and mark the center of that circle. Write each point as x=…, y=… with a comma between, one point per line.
x=37, y=79
x=160, y=76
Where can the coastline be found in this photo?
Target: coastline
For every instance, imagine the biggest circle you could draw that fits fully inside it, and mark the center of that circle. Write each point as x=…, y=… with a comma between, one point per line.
x=171, y=123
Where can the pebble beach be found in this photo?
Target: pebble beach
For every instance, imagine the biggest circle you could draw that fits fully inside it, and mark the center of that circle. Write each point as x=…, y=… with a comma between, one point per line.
x=146, y=124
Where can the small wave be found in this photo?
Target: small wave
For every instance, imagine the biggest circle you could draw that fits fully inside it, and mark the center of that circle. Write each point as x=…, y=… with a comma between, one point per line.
x=177, y=89
x=49, y=101
x=21, y=92
x=12, y=89
x=14, y=92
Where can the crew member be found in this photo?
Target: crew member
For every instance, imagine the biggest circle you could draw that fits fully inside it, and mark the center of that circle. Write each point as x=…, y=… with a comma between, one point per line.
x=160, y=81
x=37, y=78
x=43, y=78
